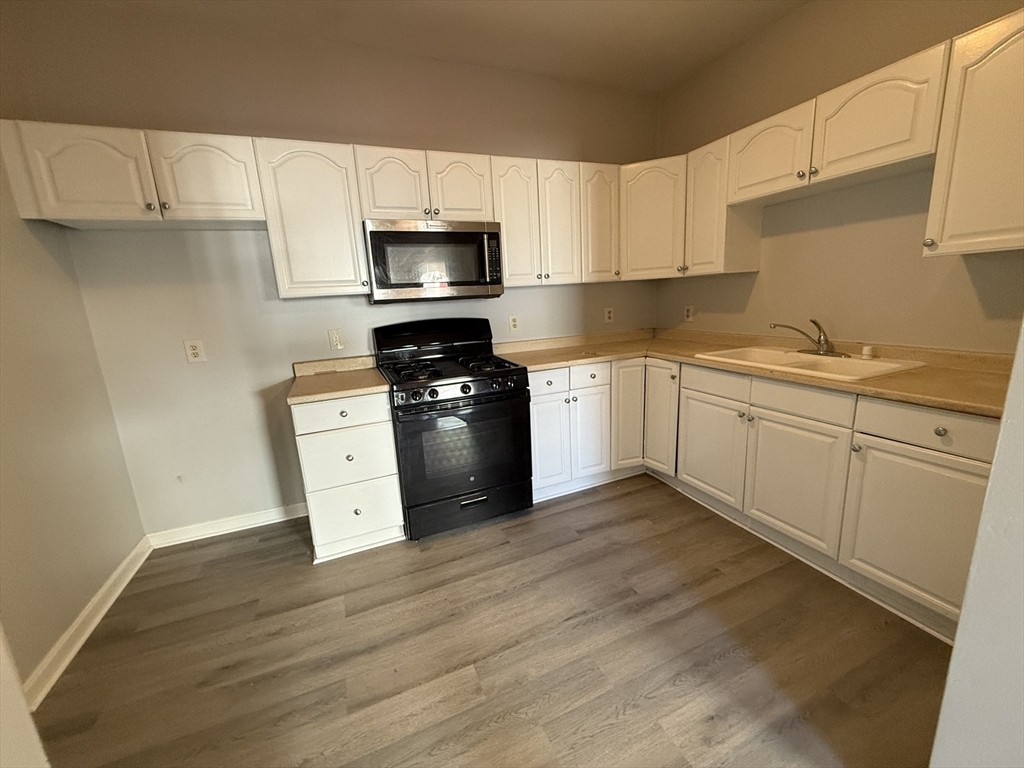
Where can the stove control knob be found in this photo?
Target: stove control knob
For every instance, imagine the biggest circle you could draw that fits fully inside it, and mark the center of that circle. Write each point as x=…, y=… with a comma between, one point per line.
x=510, y=382
x=495, y=383
x=417, y=394
x=432, y=394
x=465, y=389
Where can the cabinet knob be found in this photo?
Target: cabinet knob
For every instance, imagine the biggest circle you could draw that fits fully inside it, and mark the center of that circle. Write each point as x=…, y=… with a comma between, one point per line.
x=357, y=511
x=800, y=174
x=426, y=211
x=679, y=269
x=567, y=399
x=616, y=273
x=350, y=457
x=574, y=399
x=546, y=276
x=165, y=206
x=150, y=207
x=928, y=242
x=741, y=414
x=940, y=431
x=365, y=282
x=814, y=171
x=550, y=382
x=539, y=276
x=593, y=375
x=344, y=414
x=437, y=211
x=672, y=376
x=855, y=448
x=750, y=418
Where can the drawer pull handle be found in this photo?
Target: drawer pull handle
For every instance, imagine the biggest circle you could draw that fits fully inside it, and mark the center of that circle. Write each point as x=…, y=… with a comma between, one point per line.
x=472, y=502
x=740, y=414
x=940, y=431
x=550, y=382
x=357, y=511
x=344, y=414
x=855, y=448
x=593, y=375
x=350, y=457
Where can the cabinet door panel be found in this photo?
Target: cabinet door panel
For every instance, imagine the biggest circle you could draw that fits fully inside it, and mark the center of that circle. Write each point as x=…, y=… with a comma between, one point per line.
x=85, y=172
x=393, y=183
x=313, y=217
x=560, y=221
x=712, y=453
x=551, y=436
x=661, y=414
x=796, y=477
x=977, y=201
x=766, y=157
x=201, y=176
x=517, y=209
x=653, y=213
x=627, y=391
x=911, y=520
x=460, y=186
x=706, y=185
x=591, y=430
x=599, y=188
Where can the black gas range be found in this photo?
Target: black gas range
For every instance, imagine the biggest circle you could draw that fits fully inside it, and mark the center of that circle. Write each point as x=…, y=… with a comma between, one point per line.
x=462, y=423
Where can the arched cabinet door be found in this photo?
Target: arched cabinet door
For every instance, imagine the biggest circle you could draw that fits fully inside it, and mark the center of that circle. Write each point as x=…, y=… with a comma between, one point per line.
x=460, y=186
x=313, y=217
x=886, y=117
x=393, y=183
x=517, y=210
x=599, y=219
x=86, y=172
x=771, y=156
x=652, y=218
x=561, y=255
x=706, y=181
x=977, y=202
x=205, y=177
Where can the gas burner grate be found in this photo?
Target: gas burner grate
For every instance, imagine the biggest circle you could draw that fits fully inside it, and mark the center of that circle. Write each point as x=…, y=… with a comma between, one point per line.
x=417, y=371
x=485, y=364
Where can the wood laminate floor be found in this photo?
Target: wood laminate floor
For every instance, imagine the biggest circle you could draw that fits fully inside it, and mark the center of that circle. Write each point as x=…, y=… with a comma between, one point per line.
x=621, y=626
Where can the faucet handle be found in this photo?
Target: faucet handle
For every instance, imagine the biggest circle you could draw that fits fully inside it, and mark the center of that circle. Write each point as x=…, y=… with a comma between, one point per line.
x=821, y=331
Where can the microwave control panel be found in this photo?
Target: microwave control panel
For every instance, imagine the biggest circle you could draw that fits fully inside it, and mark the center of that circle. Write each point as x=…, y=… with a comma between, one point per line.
x=493, y=259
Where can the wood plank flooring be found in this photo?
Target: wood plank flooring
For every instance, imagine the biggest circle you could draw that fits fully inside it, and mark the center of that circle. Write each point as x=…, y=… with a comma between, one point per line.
x=621, y=626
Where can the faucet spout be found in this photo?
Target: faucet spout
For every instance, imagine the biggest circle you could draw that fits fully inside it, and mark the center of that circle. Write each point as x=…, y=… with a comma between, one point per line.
x=822, y=345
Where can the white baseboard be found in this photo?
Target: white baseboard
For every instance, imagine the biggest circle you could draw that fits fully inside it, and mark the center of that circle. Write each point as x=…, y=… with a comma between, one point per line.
x=38, y=684
x=583, y=483
x=226, y=525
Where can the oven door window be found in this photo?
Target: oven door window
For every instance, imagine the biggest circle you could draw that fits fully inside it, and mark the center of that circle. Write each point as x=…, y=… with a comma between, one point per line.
x=410, y=259
x=447, y=453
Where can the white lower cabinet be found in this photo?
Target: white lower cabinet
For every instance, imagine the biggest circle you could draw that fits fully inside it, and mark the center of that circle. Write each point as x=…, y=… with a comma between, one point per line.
x=661, y=413
x=627, y=391
x=712, y=448
x=590, y=416
x=796, y=477
x=350, y=474
x=550, y=435
x=911, y=519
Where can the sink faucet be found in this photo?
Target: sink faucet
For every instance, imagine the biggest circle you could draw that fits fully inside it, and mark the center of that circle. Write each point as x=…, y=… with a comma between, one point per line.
x=822, y=345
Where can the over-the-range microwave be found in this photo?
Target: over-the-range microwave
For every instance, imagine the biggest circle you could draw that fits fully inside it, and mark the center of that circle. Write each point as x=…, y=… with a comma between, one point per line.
x=421, y=260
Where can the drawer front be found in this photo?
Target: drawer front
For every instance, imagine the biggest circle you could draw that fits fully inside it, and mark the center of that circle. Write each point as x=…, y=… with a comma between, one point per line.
x=731, y=386
x=591, y=375
x=353, y=510
x=345, y=456
x=809, y=402
x=345, y=412
x=961, y=434
x=545, y=382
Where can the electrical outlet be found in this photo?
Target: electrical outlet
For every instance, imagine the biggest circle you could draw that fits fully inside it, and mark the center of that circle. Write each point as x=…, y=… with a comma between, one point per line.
x=194, y=351
x=609, y=314
x=513, y=323
x=688, y=314
x=337, y=339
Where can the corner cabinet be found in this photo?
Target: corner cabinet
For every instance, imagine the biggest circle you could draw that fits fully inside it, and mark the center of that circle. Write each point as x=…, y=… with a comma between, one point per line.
x=977, y=201
x=653, y=214
x=561, y=254
x=393, y=183
x=313, y=217
x=771, y=156
x=627, y=391
x=661, y=414
x=517, y=209
x=599, y=192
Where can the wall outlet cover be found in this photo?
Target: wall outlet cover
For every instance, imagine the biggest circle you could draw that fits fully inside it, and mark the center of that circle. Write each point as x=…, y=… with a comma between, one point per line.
x=609, y=314
x=194, y=351
x=513, y=323
x=688, y=314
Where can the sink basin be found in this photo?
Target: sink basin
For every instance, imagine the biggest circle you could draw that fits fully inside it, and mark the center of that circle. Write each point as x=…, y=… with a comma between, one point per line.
x=838, y=368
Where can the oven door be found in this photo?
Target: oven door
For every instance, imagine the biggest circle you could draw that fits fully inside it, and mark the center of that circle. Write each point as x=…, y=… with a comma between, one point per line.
x=446, y=452
x=416, y=260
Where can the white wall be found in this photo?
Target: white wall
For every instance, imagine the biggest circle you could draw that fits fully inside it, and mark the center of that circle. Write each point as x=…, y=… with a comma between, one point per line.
x=983, y=706
x=215, y=439
x=67, y=512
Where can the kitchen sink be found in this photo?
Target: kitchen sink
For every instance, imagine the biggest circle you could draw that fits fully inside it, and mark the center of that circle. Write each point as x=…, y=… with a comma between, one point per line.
x=838, y=368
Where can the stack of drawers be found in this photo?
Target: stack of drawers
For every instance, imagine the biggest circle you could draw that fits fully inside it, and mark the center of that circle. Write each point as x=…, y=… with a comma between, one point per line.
x=350, y=474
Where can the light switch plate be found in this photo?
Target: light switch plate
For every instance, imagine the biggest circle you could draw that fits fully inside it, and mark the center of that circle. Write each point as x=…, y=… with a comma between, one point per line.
x=336, y=339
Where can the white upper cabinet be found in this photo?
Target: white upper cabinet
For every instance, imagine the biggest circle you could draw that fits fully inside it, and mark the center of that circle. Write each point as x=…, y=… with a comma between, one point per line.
x=393, y=183
x=653, y=213
x=977, y=201
x=517, y=209
x=460, y=186
x=661, y=414
x=881, y=118
x=706, y=182
x=201, y=176
x=561, y=256
x=627, y=413
x=771, y=156
x=599, y=189
x=83, y=172
x=313, y=217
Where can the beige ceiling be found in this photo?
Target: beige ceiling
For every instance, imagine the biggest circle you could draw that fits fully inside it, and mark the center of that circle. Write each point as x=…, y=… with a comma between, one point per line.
x=648, y=45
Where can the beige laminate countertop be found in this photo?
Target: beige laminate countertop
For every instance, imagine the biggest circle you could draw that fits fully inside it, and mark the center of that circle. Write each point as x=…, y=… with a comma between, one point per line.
x=315, y=387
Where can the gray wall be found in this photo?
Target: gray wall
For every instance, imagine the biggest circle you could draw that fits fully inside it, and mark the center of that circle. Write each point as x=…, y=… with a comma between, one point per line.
x=67, y=511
